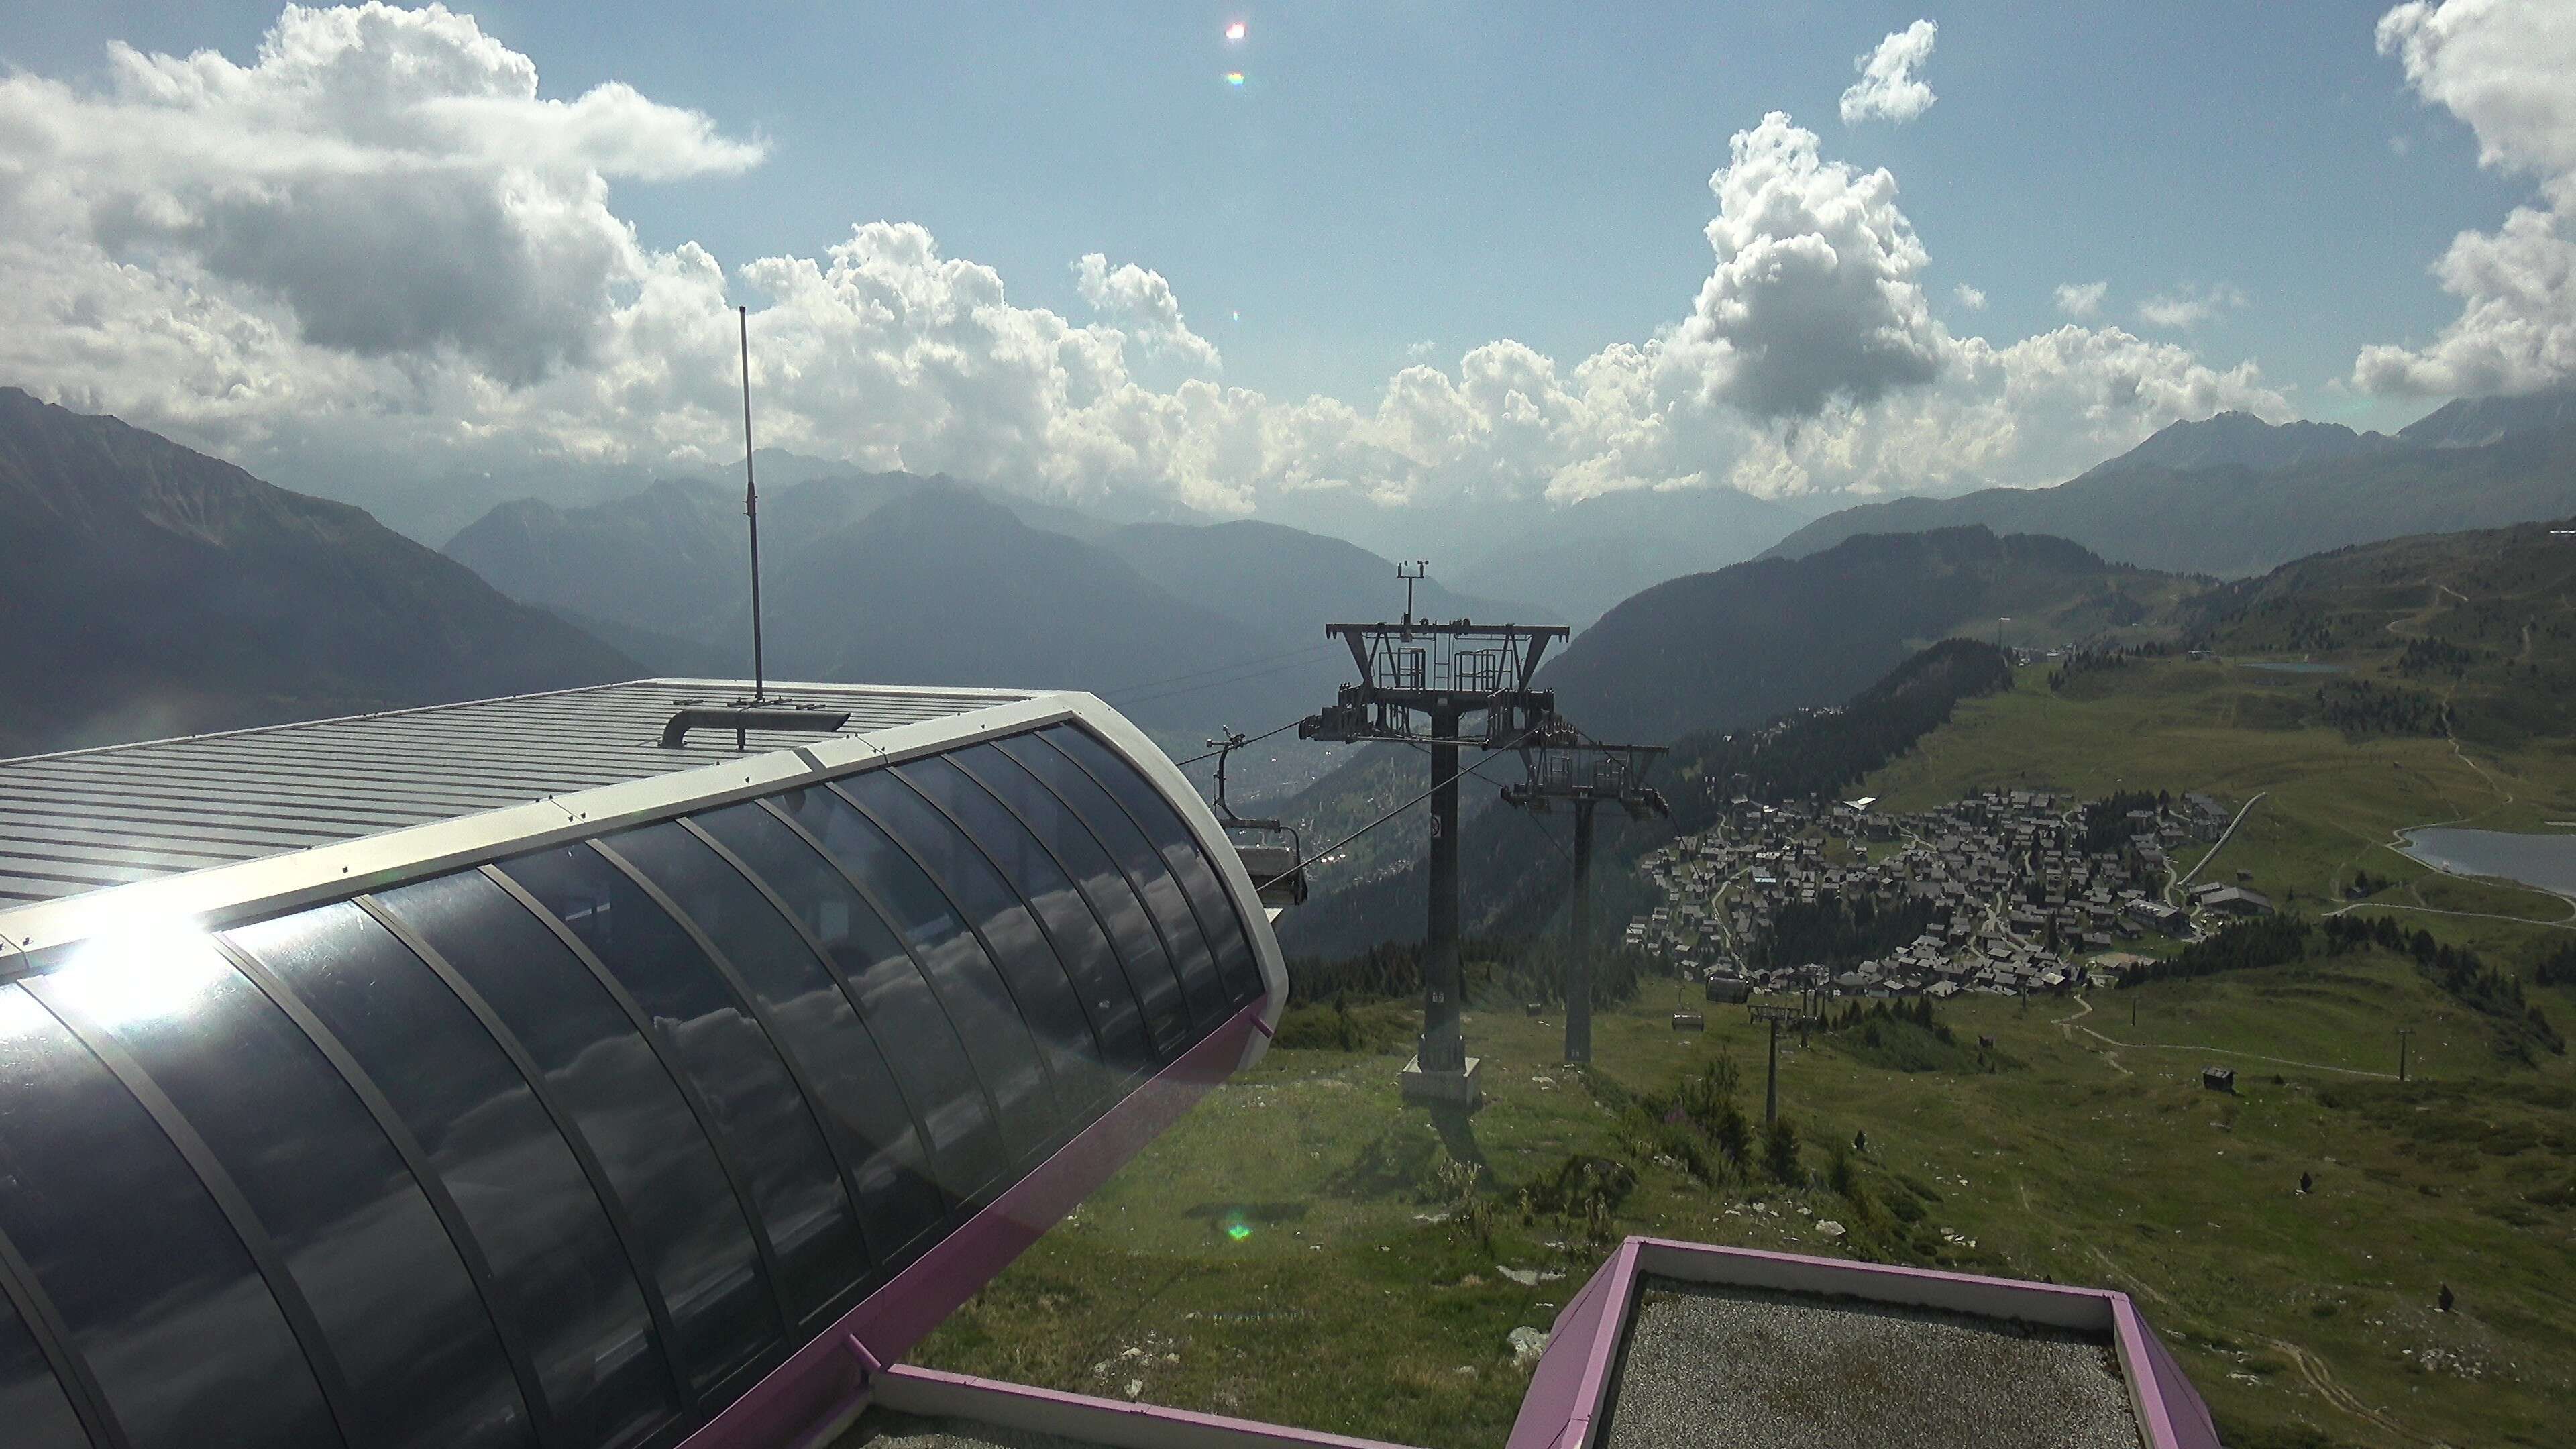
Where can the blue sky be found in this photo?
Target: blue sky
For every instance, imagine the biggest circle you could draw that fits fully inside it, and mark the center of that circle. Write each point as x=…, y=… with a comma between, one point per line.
x=1391, y=175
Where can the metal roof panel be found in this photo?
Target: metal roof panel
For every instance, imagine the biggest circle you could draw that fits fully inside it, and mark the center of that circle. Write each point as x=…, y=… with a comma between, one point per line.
x=85, y=820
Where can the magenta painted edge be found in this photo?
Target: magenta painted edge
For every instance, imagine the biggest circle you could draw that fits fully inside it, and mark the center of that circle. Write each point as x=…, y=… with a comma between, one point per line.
x=2177, y=1416
x=1217, y=1422
x=1556, y=1385
x=825, y=1377
x=1886, y=1270
x=1558, y=1410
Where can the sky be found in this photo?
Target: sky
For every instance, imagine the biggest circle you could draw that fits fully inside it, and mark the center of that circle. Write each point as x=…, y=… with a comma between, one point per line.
x=1390, y=254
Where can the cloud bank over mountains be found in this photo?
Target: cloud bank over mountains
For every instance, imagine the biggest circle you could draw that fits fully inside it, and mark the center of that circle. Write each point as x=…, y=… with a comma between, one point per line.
x=377, y=239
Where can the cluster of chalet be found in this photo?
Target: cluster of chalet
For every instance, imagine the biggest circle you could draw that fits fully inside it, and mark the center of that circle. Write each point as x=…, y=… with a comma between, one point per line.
x=2014, y=897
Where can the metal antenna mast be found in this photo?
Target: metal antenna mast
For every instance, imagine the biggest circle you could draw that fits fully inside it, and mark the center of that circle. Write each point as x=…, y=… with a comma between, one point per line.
x=1563, y=766
x=751, y=512
x=1444, y=672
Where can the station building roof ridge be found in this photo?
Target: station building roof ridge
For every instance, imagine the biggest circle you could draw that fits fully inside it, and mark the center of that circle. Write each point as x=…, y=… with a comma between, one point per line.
x=89, y=820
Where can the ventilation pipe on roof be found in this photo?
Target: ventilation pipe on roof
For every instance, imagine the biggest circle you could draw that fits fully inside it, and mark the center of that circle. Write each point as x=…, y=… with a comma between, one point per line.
x=739, y=720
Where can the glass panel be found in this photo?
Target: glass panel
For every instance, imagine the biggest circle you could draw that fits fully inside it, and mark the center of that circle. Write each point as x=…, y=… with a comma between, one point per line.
x=1144, y=866
x=559, y=1276
x=727, y=1057
x=815, y=1026
x=986, y=1018
x=692, y=1233
x=1062, y=833
x=32, y=1401
x=895, y=1002
x=1079, y=941
x=138, y=1259
x=1208, y=895
x=1027, y=960
x=423, y=1364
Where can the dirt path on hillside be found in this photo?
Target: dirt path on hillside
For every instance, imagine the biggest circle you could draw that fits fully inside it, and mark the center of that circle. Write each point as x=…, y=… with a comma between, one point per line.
x=2066, y=1027
x=2070, y=1024
x=2313, y=1370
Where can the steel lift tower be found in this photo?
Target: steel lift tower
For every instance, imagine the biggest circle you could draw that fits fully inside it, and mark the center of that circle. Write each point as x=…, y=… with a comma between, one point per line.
x=1565, y=766
x=1447, y=675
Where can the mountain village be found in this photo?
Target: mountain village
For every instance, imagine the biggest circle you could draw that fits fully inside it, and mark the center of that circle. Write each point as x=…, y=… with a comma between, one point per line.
x=2011, y=899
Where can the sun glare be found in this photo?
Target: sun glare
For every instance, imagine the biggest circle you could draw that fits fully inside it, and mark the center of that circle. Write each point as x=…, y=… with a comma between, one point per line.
x=1235, y=31
x=141, y=972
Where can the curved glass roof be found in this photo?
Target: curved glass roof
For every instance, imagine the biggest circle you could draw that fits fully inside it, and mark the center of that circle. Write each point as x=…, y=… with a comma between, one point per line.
x=570, y=1145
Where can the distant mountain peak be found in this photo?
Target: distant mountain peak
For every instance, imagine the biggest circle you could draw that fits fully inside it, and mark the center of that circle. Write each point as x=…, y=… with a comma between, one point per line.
x=2242, y=440
x=155, y=590
x=2474, y=422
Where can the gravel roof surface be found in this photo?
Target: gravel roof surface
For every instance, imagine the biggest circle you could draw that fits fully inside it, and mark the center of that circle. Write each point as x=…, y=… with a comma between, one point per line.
x=1750, y=1368
x=882, y=1428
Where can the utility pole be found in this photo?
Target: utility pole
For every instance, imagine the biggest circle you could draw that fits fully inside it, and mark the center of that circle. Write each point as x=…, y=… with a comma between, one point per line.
x=1443, y=673
x=1771, y=1081
x=1562, y=766
x=751, y=514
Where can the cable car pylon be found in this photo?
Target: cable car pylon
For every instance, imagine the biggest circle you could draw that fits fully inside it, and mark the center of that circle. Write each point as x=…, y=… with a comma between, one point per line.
x=1446, y=674
x=1563, y=766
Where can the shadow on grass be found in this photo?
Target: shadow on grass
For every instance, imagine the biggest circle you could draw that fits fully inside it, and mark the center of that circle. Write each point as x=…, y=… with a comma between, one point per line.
x=1458, y=1134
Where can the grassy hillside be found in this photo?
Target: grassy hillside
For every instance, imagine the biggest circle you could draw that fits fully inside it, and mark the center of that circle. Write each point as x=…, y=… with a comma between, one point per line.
x=2483, y=622
x=1303, y=1248
x=1744, y=644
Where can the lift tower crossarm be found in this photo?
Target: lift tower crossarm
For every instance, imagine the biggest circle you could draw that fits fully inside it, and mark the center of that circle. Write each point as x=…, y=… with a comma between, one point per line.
x=1565, y=766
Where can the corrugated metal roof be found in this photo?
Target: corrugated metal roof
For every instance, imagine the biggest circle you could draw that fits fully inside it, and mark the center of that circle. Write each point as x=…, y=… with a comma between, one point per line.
x=79, y=822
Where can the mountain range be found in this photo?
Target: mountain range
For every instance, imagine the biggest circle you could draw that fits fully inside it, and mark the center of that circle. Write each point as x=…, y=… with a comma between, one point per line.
x=2233, y=496
x=900, y=577
x=151, y=590
x=1586, y=557
x=1739, y=645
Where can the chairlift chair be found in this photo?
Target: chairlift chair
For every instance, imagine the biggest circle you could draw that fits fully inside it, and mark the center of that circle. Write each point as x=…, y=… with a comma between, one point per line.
x=1278, y=870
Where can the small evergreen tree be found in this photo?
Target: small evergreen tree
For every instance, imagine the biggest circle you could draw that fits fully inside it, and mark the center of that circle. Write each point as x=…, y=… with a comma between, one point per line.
x=1780, y=1152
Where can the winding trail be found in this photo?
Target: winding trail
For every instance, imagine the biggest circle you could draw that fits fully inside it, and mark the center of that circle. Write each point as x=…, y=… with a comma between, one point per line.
x=2312, y=1369
x=2321, y=1378
x=2068, y=1024
x=2067, y=1028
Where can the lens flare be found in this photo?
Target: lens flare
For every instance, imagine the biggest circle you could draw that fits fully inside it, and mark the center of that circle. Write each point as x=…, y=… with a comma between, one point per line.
x=1234, y=77
x=1234, y=31
x=1238, y=1230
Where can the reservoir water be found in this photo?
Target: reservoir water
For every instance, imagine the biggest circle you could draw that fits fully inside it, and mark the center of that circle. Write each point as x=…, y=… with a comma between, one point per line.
x=2546, y=861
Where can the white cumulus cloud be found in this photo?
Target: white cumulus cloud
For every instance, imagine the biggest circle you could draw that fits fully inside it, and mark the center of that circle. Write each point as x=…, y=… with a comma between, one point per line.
x=1969, y=297
x=1814, y=297
x=1142, y=303
x=379, y=241
x=2502, y=68
x=391, y=177
x=2082, y=299
x=2188, y=306
x=1889, y=88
